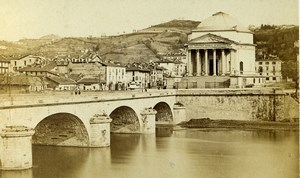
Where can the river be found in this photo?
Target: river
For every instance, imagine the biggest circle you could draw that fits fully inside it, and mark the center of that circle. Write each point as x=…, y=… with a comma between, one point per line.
x=180, y=153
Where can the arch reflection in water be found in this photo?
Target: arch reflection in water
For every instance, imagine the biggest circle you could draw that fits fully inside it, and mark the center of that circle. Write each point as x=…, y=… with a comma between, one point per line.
x=163, y=131
x=59, y=161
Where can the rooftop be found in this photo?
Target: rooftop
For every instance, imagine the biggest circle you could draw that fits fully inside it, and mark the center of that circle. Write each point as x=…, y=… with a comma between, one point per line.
x=61, y=80
x=221, y=21
x=90, y=80
x=46, y=68
x=137, y=69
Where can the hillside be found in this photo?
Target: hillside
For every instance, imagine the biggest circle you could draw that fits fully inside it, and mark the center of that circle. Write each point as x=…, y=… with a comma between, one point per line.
x=150, y=43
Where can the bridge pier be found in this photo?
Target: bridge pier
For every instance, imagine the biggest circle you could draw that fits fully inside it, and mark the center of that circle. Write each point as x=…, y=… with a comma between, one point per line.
x=179, y=113
x=148, y=119
x=16, y=149
x=100, y=130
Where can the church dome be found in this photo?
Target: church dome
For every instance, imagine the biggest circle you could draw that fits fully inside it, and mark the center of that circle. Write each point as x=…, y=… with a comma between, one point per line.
x=221, y=21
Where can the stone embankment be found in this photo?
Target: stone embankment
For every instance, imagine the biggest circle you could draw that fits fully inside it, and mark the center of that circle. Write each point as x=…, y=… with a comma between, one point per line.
x=239, y=104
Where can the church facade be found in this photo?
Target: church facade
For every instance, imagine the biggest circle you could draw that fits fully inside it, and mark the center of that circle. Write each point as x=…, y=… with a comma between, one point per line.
x=222, y=47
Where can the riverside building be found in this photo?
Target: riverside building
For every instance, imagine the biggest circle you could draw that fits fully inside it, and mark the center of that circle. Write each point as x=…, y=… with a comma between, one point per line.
x=220, y=54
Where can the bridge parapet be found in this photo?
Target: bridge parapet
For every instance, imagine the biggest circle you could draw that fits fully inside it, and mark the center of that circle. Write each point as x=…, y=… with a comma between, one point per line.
x=66, y=97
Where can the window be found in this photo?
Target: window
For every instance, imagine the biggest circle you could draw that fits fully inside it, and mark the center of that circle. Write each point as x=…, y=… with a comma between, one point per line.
x=274, y=68
x=267, y=78
x=267, y=63
x=260, y=69
x=254, y=80
x=241, y=67
x=267, y=68
x=15, y=63
x=274, y=63
x=260, y=63
x=274, y=78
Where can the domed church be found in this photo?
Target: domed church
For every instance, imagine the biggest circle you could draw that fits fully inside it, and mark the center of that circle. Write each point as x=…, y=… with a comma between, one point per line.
x=221, y=50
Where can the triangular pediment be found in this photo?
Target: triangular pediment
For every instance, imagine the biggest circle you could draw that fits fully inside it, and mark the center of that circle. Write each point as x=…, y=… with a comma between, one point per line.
x=211, y=38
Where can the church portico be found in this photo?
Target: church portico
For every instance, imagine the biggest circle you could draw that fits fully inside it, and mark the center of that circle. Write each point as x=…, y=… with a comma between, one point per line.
x=210, y=61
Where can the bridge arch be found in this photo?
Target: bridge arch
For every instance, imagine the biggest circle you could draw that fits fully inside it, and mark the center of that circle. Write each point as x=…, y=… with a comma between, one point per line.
x=124, y=120
x=61, y=129
x=164, y=112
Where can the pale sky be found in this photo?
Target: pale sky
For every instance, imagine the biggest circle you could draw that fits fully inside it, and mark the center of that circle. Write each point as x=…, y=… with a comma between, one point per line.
x=36, y=18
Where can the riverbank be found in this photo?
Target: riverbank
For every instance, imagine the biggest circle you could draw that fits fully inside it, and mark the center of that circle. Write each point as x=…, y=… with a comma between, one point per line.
x=237, y=124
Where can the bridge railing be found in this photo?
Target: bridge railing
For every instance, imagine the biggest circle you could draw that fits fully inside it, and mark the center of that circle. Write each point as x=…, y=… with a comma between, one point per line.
x=68, y=97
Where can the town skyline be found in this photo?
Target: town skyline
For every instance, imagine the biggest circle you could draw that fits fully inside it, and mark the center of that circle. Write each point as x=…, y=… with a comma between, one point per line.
x=34, y=19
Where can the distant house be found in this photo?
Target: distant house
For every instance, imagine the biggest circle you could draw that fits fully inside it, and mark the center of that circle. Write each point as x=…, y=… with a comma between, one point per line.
x=174, y=68
x=84, y=68
x=140, y=77
x=156, y=76
x=91, y=83
x=41, y=71
x=114, y=75
x=270, y=68
x=62, y=67
x=24, y=61
x=21, y=83
x=4, y=65
x=60, y=83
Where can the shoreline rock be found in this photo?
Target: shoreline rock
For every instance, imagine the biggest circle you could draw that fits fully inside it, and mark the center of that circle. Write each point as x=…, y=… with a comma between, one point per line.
x=239, y=124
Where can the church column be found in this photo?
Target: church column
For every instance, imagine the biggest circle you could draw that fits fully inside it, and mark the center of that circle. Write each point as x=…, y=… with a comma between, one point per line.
x=198, y=62
x=232, y=62
x=223, y=62
x=190, y=67
x=214, y=62
x=228, y=62
x=206, y=61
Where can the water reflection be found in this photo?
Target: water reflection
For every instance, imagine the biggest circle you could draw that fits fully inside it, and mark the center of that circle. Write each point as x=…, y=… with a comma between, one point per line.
x=16, y=174
x=174, y=153
x=163, y=131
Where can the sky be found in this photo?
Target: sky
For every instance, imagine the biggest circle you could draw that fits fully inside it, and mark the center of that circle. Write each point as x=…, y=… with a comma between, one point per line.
x=81, y=18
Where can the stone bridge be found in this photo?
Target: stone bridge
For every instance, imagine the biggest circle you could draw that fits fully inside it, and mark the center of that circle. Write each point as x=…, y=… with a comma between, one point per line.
x=79, y=120
x=86, y=120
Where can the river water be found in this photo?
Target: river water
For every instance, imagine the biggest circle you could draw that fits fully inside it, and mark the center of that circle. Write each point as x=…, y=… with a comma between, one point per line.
x=179, y=153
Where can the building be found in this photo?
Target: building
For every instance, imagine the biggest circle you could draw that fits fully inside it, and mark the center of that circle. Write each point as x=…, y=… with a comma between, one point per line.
x=138, y=77
x=91, y=83
x=86, y=64
x=21, y=84
x=221, y=49
x=25, y=61
x=50, y=69
x=174, y=68
x=59, y=83
x=156, y=76
x=270, y=68
x=114, y=75
x=4, y=66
